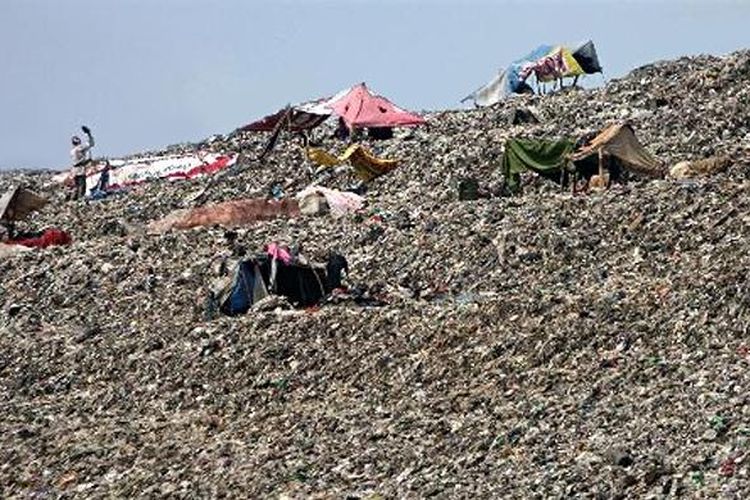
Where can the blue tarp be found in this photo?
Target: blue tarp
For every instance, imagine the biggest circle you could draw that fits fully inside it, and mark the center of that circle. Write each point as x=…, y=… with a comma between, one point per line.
x=241, y=297
x=508, y=80
x=513, y=72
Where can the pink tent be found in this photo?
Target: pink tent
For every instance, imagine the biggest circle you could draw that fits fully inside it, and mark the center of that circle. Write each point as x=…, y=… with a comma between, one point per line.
x=360, y=108
x=357, y=106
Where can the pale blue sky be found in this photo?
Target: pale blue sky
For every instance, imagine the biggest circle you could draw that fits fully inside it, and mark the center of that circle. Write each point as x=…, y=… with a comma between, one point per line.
x=148, y=73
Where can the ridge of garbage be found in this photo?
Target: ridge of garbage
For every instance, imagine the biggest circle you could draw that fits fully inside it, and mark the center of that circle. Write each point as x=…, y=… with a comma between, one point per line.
x=540, y=345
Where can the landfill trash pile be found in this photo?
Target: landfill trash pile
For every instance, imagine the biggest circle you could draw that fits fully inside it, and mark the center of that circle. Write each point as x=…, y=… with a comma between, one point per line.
x=530, y=346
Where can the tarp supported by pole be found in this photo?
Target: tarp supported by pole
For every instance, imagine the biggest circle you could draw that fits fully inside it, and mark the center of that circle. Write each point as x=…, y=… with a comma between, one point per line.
x=619, y=143
x=17, y=203
x=548, y=158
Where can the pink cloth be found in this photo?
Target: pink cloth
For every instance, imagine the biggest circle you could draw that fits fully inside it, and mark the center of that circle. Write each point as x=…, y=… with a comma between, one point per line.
x=279, y=252
x=340, y=202
x=547, y=68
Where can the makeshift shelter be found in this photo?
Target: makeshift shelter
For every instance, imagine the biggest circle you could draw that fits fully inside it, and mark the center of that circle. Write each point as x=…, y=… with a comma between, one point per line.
x=559, y=63
x=302, y=284
x=587, y=58
x=619, y=149
x=508, y=81
x=546, y=62
x=615, y=149
x=277, y=272
x=244, y=287
x=357, y=106
x=18, y=203
x=547, y=158
x=129, y=172
x=490, y=93
x=296, y=120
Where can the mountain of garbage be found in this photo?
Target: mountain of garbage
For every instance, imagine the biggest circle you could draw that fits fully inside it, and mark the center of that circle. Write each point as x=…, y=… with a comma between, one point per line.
x=530, y=345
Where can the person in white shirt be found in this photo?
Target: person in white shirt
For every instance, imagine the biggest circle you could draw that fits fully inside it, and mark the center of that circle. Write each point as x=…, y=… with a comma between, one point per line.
x=80, y=154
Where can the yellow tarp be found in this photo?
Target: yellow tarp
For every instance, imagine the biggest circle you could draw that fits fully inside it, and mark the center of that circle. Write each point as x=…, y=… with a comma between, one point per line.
x=321, y=157
x=571, y=65
x=366, y=165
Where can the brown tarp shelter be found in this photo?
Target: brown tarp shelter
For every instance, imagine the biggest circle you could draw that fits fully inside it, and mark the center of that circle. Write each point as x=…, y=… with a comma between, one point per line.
x=618, y=143
x=17, y=203
x=287, y=119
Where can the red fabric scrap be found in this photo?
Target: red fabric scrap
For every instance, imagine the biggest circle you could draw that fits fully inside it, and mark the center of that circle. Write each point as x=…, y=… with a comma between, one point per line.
x=50, y=237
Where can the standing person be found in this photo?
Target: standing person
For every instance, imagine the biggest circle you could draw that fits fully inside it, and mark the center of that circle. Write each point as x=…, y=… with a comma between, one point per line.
x=81, y=156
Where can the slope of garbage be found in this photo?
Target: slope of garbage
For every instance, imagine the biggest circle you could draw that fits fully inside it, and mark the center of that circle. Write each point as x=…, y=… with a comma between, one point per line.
x=531, y=346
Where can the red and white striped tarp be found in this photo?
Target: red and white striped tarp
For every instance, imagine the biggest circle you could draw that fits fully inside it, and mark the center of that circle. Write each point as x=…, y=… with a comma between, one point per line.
x=125, y=173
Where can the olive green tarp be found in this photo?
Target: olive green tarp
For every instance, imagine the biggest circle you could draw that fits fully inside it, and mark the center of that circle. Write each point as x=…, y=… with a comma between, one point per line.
x=545, y=157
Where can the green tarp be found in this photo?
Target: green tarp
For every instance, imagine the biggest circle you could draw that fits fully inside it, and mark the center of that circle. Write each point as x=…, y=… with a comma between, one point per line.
x=546, y=158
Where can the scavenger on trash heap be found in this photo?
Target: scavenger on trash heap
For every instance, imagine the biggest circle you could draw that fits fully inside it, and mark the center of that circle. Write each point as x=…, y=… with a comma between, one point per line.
x=81, y=157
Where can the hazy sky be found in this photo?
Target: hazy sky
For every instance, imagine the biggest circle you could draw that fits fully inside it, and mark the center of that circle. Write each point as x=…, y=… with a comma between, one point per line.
x=148, y=73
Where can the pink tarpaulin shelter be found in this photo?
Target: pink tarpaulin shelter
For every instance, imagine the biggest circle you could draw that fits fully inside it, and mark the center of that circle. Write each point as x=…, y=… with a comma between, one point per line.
x=360, y=108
